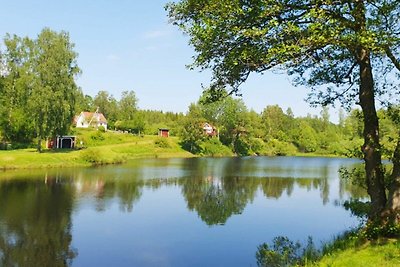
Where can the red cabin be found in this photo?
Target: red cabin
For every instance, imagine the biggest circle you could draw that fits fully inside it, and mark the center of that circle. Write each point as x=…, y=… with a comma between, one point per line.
x=163, y=132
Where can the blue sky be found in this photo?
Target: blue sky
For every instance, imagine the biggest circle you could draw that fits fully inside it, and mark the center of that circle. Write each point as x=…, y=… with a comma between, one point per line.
x=129, y=45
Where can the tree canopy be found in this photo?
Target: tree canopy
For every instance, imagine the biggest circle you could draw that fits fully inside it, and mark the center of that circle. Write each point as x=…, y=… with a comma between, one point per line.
x=321, y=42
x=39, y=91
x=344, y=50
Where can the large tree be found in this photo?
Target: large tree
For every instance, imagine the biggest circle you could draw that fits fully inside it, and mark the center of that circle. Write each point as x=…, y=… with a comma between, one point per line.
x=342, y=49
x=16, y=76
x=127, y=105
x=53, y=91
x=107, y=105
x=39, y=91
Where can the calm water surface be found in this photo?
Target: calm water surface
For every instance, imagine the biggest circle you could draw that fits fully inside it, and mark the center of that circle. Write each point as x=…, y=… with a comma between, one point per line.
x=169, y=212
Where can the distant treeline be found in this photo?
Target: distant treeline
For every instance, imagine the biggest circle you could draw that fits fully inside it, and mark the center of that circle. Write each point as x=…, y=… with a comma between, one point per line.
x=243, y=131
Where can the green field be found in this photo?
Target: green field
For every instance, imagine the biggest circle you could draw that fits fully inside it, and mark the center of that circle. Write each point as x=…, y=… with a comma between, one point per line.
x=98, y=148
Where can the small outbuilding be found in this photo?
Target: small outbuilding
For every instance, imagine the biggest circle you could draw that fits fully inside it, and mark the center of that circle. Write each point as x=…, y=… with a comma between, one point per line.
x=62, y=142
x=163, y=132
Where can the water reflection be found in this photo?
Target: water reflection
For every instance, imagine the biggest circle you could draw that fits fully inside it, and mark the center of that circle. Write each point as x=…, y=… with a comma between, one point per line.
x=35, y=223
x=36, y=209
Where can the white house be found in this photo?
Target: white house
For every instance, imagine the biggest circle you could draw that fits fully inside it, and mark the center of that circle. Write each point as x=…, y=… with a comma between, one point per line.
x=90, y=119
x=209, y=129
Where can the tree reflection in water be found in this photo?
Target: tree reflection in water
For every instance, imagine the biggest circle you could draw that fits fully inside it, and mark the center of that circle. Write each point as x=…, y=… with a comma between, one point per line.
x=35, y=215
x=35, y=224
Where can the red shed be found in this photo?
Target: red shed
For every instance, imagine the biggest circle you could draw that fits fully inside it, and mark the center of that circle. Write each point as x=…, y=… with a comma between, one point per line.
x=163, y=132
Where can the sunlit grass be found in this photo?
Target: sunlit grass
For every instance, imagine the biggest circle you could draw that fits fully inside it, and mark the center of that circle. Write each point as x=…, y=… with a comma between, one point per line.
x=369, y=254
x=104, y=148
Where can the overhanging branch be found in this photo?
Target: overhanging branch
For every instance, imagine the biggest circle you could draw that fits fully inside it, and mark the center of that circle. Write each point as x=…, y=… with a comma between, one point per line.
x=394, y=60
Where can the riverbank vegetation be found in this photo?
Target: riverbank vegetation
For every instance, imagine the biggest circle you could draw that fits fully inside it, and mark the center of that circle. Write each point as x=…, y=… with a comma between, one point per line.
x=350, y=249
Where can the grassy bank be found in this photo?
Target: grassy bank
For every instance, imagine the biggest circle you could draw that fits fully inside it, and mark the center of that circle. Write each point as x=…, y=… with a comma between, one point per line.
x=375, y=254
x=97, y=148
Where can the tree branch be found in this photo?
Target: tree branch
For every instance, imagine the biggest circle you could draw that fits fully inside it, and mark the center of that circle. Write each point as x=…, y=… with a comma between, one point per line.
x=394, y=60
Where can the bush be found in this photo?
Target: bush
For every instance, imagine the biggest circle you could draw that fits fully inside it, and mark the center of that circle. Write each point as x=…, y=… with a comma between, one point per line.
x=101, y=129
x=284, y=252
x=162, y=142
x=92, y=156
x=257, y=146
x=242, y=147
x=97, y=136
x=275, y=147
x=213, y=147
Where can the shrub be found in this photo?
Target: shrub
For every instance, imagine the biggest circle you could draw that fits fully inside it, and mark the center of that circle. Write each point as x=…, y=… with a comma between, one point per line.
x=92, y=156
x=279, y=148
x=162, y=142
x=284, y=252
x=241, y=147
x=97, y=136
x=257, y=146
x=213, y=147
x=101, y=129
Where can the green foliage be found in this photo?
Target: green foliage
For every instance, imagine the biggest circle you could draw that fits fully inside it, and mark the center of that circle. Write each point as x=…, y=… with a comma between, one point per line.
x=277, y=124
x=276, y=147
x=241, y=146
x=192, y=134
x=127, y=105
x=107, y=105
x=339, y=49
x=306, y=138
x=39, y=93
x=96, y=156
x=284, y=252
x=101, y=129
x=97, y=136
x=162, y=142
x=257, y=146
x=375, y=229
x=93, y=156
x=313, y=42
x=214, y=148
x=358, y=208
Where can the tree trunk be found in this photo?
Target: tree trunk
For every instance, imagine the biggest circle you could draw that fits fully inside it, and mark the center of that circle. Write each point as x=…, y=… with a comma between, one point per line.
x=393, y=206
x=39, y=145
x=371, y=146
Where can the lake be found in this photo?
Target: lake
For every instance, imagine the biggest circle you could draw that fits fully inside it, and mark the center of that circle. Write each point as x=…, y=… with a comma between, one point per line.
x=170, y=212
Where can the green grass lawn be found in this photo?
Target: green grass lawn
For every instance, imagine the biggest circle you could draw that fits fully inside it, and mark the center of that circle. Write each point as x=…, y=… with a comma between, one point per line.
x=385, y=254
x=99, y=148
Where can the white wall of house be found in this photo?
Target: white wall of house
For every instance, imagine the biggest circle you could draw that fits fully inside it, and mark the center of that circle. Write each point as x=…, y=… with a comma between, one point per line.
x=83, y=122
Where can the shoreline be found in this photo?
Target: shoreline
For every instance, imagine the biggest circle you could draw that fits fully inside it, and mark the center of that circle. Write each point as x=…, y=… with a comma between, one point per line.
x=27, y=159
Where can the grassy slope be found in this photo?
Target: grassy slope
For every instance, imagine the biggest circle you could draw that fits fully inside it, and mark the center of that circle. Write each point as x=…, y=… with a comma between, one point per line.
x=374, y=255
x=106, y=148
